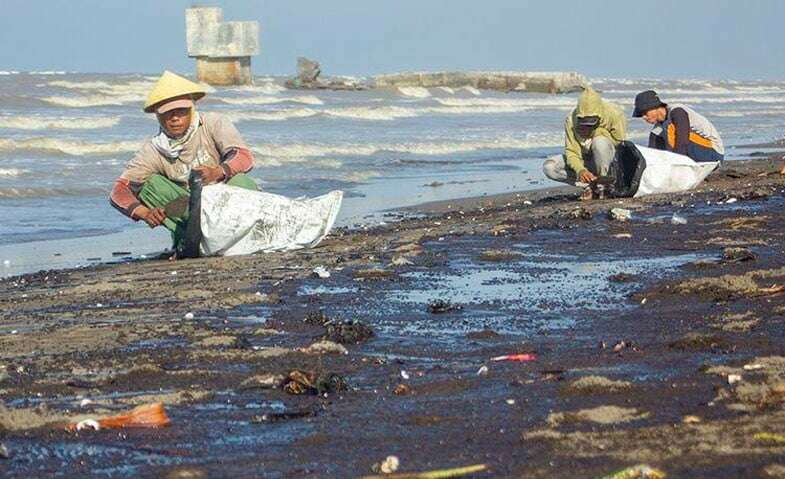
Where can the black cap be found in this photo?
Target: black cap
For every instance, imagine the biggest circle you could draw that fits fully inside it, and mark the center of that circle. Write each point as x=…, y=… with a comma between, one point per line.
x=645, y=101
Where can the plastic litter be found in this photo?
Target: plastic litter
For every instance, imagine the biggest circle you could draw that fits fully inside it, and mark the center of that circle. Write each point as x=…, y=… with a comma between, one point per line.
x=189, y=316
x=4, y=454
x=678, y=219
x=145, y=416
x=753, y=367
x=436, y=474
x=730, y=201
x=389, y=465
x=321, y=272
x=641, y=471
x=483, y=371
x=515, y=357
x=734, y=378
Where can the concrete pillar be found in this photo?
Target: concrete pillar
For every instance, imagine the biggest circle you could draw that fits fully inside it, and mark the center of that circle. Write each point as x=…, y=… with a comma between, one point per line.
x=223, y=50
x=224, y=71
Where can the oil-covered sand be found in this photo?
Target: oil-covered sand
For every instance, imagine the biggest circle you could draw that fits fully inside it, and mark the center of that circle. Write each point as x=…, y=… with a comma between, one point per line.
x=637, y=328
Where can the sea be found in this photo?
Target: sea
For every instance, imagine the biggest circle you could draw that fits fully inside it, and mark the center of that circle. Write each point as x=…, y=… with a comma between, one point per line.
x=65, y=137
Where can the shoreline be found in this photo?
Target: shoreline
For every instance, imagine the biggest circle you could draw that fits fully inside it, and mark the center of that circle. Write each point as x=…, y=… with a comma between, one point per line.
x=639, y=328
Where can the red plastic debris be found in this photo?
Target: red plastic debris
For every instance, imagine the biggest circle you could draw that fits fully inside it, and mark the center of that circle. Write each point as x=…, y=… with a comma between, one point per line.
x=515, y=357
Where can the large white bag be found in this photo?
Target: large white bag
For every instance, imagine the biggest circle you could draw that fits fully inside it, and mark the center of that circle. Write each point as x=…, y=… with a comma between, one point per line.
x=239, y=221
x=644, y=171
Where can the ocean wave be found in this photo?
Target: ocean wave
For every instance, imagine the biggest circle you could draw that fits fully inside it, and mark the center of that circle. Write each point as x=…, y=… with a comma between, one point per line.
x=271, y=100
x=470, y=89
x=414, y=91
x=446, y=89
x=763, y=99
x=538, y=102
x=276, y=115
x=265, y=88
x=8, y=72
x=384, y=113
x=57, y=123
x=68, y=147
x=41, y=192
x=93, y=100
x=11, y=172
x=325, y=163
x=296, y=151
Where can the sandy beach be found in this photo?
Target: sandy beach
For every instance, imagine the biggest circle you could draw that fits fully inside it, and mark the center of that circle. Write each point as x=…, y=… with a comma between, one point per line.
x=658, y=341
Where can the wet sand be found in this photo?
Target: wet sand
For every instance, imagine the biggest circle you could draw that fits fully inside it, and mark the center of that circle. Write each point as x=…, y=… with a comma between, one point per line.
x=656, y=342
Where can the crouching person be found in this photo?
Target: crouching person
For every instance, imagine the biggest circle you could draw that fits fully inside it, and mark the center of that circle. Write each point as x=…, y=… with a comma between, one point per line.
x=679, y=128
x=591, y=134
x=154, y=186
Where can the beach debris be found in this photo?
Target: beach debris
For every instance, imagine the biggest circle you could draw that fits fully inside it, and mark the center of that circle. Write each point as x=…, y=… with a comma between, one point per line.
x=324, y=347
x=85, y=402
x=580, y=214
x=186, y=473
x=145, y=416
x=516, y=357
x=734, y=378
x=620, y=214
x=347, y=332
x=623, y=236
x=263, y=381
x=621, y=345
x=189, y=316
x=691, y=419
x=318, y=318
x=283, y=416
x=405, y=375
x=402, y=390
x=737, y=255
x=439, y=306
x=641, y=471
x=373, y=274
x=400, y=261
x=731, y=201
x=88, y=424
x=299, y=382
x=677, y=219
x=770, y=437
x=435, y=474
x=4, y=454
x=510, y=402
x=321, y=272
x=483, y=371
x=388, y=466
x=752, y=367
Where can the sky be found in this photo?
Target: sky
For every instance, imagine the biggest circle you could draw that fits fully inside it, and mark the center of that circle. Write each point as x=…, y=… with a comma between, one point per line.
x=710, y=39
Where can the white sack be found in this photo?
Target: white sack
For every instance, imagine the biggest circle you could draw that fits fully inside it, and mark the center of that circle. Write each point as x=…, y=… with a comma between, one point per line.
x=239, y=221
x=668, y=172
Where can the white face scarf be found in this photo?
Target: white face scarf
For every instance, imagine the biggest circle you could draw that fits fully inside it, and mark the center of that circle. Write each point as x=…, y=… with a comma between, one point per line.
x=172, y=147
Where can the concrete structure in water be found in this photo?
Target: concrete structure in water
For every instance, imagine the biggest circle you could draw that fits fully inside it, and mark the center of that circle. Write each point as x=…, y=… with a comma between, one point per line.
x=223, y=50
x=534, y=82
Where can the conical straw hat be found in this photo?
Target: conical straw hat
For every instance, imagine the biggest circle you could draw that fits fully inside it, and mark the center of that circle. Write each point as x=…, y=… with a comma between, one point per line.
x=171, y=86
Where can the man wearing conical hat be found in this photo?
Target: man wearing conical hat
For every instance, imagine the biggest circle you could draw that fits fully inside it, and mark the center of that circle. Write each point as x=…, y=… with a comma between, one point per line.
x=153, y=187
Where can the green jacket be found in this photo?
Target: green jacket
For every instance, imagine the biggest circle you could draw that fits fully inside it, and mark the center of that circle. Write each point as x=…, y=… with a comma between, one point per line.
x=613, y=125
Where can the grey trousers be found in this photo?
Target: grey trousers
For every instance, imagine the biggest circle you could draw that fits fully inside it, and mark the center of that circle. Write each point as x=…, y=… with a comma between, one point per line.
x=598, y=160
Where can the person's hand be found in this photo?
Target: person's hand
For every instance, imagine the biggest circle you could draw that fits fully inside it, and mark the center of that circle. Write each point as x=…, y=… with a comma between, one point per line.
x=153, y=217
x=210, y=174
x=586, y=176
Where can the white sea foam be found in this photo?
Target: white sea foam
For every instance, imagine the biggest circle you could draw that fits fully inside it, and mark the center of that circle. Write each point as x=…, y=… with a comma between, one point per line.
x=7, y=72
x=271, y=100
x=92, y=100
x=296, y=151
x=471, y=89
x=539, y=102
x=446, y=89
x=11, y=172
x=68, y=147
x=414, y=91
x=57, y=123
x=384, y=113
x=276, y=115
x=265, y=88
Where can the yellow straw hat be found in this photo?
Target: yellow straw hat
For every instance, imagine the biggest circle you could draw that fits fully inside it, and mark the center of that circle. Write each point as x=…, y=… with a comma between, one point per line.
x=169, y=87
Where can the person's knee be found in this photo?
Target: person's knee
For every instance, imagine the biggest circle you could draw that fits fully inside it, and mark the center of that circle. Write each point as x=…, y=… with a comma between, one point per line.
x=602, y=145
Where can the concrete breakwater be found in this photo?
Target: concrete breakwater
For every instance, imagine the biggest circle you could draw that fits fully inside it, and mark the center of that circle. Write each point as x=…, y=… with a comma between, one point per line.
x=309, y=78
x=535, y=82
